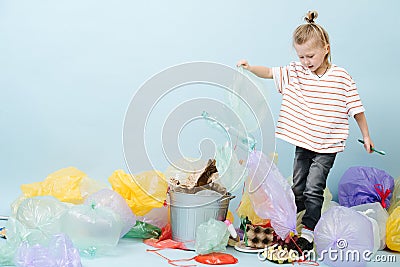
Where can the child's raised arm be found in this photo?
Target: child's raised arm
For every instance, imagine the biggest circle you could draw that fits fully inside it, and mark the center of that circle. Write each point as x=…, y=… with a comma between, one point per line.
x=260, y=71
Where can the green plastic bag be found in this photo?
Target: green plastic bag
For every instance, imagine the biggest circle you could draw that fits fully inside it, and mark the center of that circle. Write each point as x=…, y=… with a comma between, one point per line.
x=143, y=230
x=211, y=236
x=42, y=213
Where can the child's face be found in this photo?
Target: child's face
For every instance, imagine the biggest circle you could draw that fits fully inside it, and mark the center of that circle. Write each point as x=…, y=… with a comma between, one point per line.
x=312, y=55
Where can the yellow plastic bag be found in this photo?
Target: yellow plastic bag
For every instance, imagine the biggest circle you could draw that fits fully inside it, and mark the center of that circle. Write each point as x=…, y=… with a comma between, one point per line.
x=393, y=230
x=246, y=209
x=230, y=217
x=62, y=184
x=395, y=200
x=144, y=192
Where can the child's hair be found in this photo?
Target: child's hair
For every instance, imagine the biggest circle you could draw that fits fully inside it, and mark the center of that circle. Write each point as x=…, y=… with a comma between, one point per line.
x=312, y=31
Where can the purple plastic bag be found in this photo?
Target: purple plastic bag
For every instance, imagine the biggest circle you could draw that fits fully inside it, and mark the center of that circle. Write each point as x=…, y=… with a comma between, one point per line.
x=361, y=185
x=271, y=195
x=343, y=237
x=60, y=252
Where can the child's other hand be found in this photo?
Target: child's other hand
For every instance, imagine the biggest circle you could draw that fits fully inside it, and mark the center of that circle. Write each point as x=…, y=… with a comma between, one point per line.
x=368, y=144
x=243, y=63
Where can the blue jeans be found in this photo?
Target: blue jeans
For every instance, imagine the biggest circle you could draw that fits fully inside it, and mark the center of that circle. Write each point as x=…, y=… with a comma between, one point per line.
x=310, y=171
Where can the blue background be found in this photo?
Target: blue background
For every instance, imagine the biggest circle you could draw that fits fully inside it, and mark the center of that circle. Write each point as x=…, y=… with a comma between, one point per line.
x=68, y=70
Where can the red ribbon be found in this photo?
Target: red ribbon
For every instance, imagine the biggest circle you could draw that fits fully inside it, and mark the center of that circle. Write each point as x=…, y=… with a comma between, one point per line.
x=383, y=194
x=172, y=262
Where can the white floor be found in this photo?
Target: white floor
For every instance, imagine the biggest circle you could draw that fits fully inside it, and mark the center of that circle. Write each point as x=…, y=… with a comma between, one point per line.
x=133, y=253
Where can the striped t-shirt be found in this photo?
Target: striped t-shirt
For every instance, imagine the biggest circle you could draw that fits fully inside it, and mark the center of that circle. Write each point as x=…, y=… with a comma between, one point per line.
x=314, y=111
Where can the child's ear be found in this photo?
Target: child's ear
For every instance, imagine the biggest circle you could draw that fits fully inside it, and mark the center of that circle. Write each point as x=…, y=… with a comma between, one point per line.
x=327, y=48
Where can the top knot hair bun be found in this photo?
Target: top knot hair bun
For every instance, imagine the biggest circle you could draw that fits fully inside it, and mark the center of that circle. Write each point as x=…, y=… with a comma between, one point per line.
x=311, y=16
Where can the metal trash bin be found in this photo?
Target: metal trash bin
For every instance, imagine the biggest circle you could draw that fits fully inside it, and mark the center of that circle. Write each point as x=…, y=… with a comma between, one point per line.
x=187, y=211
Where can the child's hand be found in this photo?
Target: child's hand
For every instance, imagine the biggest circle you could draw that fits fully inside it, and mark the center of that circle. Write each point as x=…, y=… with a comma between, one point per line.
x=368, y=144
x=243, y=63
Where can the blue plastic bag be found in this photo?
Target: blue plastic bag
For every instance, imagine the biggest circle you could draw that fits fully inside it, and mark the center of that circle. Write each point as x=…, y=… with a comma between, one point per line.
x=231, y=172
x=361, y=185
